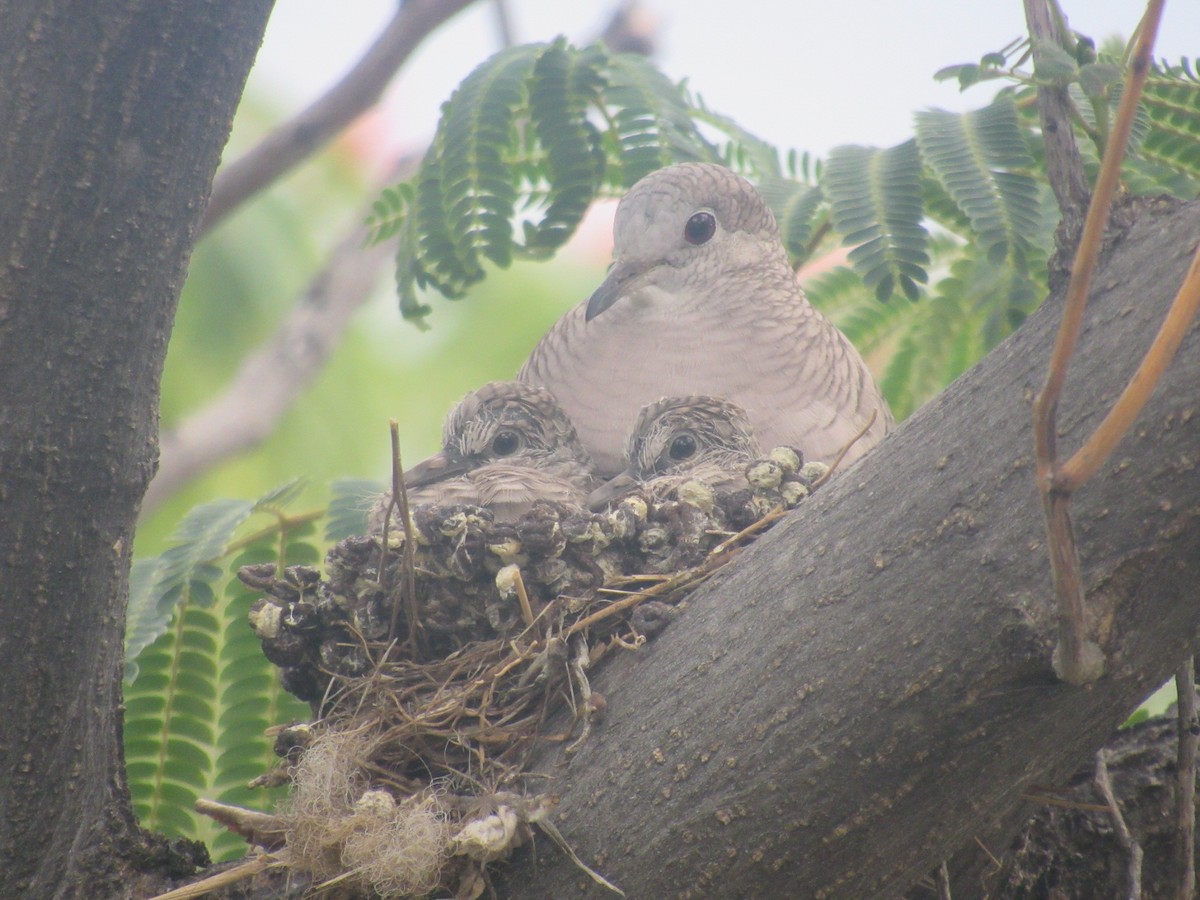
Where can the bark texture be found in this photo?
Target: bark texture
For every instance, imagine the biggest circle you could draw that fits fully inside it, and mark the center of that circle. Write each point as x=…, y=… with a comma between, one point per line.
x=869, y=688
x=1069, y=847
x=115, y=114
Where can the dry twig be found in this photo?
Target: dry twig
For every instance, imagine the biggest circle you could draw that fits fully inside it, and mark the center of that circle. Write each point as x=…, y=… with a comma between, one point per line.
x=842, y=453
x=1078, y=660
x=399, y=501
x=309, y=131
x=274, y=375
x=1131, y=847
x=1088, y=458
x=1185, y=791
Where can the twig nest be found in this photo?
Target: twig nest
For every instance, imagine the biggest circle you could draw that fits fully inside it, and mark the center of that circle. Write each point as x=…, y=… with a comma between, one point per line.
x=451, y=652
x=698, y=494
x=792, y=492
x=488, y=838
x=812, y=471
x=764, y=474
x=789, y=458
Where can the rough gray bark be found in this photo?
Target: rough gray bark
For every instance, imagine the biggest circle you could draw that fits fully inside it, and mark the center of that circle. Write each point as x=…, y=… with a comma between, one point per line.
x=869, y=688
x=115, y=114
x=1064, y=167
x=1069, y=847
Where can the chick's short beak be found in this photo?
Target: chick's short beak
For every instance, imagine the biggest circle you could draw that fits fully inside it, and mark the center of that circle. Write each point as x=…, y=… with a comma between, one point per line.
x=611, y=490
x=435, y=468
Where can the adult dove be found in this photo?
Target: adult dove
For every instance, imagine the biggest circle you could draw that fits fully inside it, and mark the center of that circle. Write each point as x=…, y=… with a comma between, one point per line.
x=677, y=439
x=504, y=447
x=700, y=299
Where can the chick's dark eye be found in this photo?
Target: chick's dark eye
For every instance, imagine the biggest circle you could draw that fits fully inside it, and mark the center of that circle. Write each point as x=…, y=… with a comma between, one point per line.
x=506, y=443
x=682, y=447
x=700, y=228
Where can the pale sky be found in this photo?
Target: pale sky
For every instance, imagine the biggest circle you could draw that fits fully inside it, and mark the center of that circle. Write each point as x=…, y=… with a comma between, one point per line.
x=802, y=75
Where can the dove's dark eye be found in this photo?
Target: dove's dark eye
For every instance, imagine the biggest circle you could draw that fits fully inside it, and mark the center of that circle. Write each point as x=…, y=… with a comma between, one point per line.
x=700, y=228
x=682, y=447
x=506, y=443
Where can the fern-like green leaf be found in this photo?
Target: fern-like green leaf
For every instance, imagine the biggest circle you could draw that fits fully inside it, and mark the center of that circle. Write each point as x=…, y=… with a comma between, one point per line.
x=170, y=721
x=876, y=202
x=250, y=701
x=566, y=83
x=652, y=124
x=971, y=310
x=743, y=152
x=387, y=212
x=1052, y=64
x=870, y=325
x=185, y=573
x=158, y=584
x=204, y=694
x=1171, y=102
x=798, y=209
x=977, y=157
x=472, y=183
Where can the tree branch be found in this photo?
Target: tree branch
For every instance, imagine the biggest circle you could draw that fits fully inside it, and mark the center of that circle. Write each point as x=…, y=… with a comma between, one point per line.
x=312, y=129
x=115, y=113
x=1064, y=166
x=867, y=690
x=1133, y=850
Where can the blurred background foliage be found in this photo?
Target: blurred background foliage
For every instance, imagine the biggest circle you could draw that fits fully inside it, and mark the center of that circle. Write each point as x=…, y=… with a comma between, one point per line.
x=201, y=697
x=247, y=273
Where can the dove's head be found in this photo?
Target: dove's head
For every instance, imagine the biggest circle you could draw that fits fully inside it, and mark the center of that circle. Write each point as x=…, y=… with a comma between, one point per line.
x=503, y=422
x=684, y=226
x=696, y=436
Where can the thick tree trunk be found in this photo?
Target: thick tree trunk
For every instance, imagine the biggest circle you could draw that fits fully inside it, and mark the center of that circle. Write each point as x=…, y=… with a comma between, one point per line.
x=115, y=113
x=869, y=688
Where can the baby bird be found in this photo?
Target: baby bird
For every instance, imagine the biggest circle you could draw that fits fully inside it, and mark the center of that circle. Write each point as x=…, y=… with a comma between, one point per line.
x=504, y=446
x=678, y=439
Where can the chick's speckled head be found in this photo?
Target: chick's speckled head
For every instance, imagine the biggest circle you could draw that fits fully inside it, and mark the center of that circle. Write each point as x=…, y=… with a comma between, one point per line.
x=509, y=421
x=680, y=434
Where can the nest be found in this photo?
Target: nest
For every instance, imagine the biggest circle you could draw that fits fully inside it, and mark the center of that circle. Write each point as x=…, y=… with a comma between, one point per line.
x=434, y=662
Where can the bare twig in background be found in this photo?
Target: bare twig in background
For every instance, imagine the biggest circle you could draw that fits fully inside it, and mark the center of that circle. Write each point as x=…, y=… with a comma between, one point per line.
x=271, y=378
x=503, y=23
x=1185, y=790
x=298, y=139
x=1131, y=847
x=1088, y=458
x=632, y=29
x=1064, y=167
x=1078, y=660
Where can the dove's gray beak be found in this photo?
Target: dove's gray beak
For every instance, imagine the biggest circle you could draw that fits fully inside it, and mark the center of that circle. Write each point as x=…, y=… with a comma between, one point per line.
x=612, y=289
x=436, y=468
x=611, y=490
